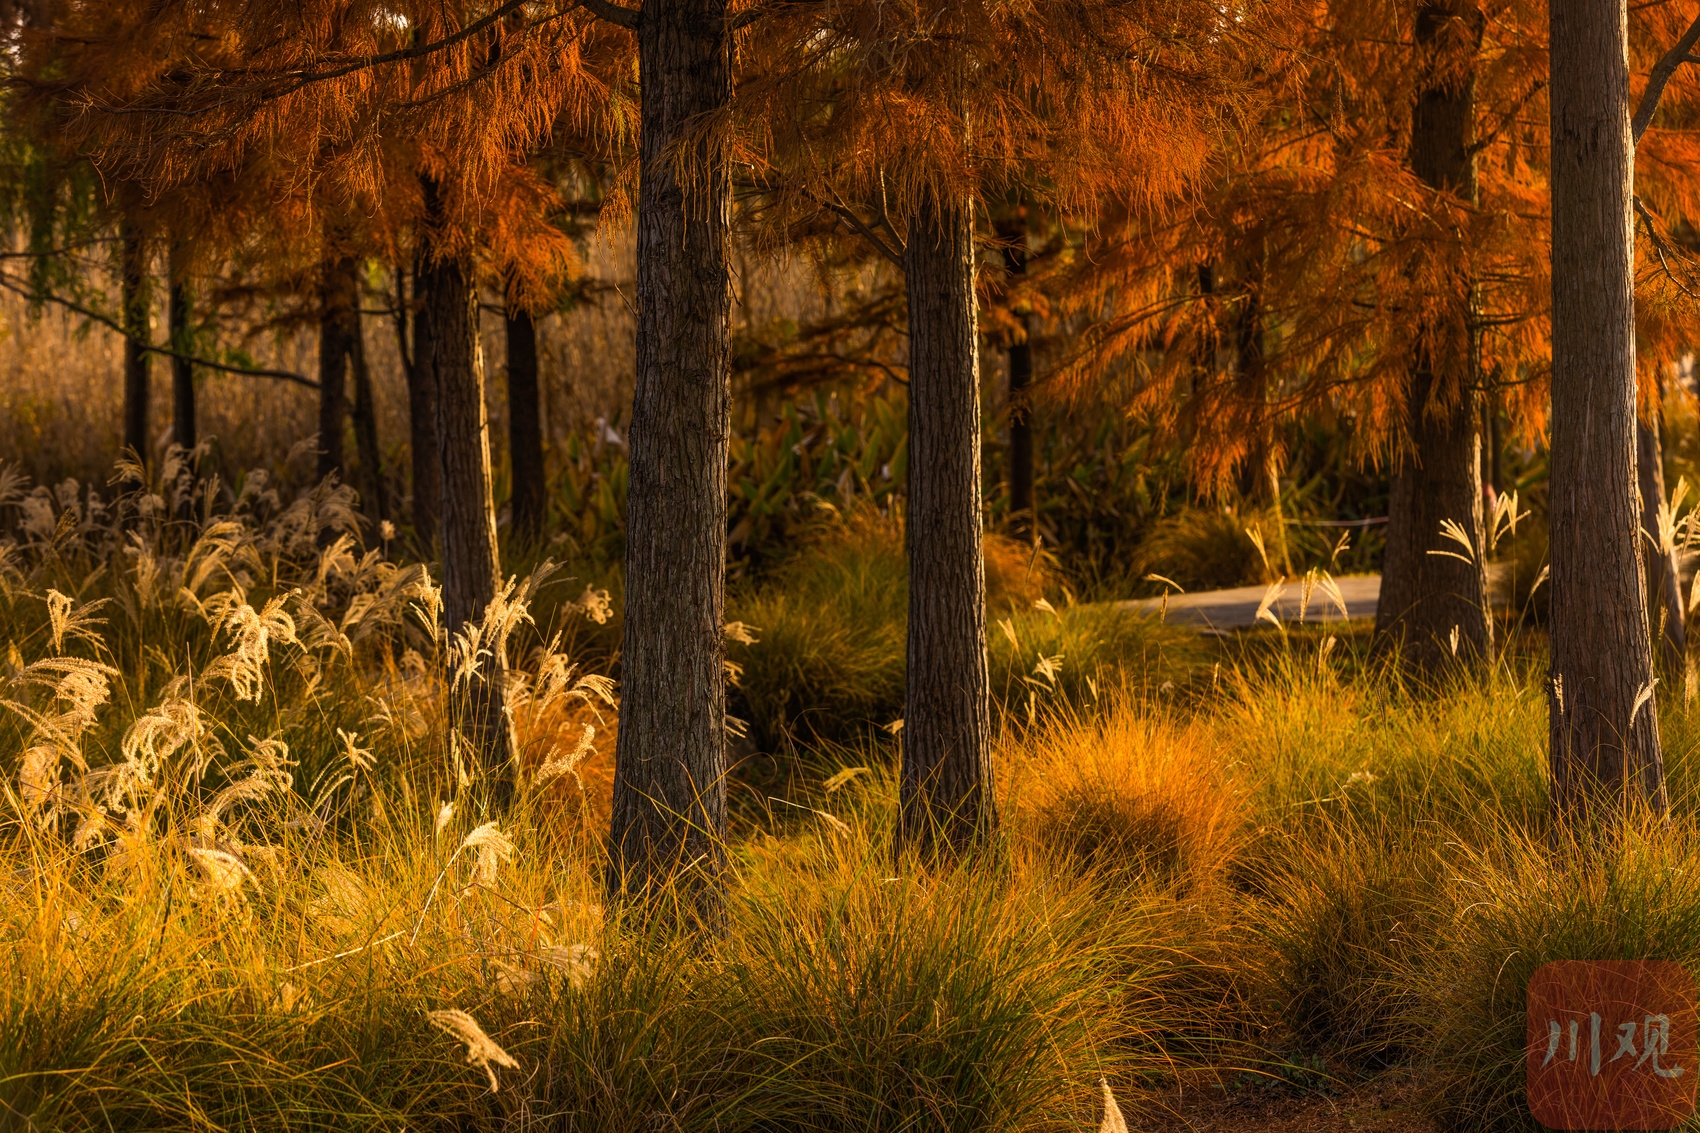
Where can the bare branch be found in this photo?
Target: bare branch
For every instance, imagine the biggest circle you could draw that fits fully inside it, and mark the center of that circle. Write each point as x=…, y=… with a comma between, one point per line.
x=1660, y=248
x=1662, y=72
x=10, y=284
x=628, y=18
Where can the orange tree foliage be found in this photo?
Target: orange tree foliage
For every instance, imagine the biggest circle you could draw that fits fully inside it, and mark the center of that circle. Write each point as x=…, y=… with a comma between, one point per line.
x=1332, y=262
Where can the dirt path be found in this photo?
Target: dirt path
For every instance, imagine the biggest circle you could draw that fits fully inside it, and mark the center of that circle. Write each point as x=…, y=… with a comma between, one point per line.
x=1223, y=610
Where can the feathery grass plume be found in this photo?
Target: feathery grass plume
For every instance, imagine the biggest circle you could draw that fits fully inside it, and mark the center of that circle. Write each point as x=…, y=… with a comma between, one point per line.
x=80, y=687
x=578, y=961
x=223, y=870
x=266, y=771
x=81, y=624
x=596, y=605
x=445, y=813
x=1113, y=1121
x=253, y=632
x=481, y=1049
x=561, y=763
x=493, y=848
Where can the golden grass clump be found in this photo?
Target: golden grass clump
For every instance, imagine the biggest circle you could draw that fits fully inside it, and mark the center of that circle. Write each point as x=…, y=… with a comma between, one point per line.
x=1128, y=789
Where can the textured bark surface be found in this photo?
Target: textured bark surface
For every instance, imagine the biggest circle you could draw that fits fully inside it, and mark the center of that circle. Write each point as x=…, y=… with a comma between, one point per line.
x=133, y=300
x=448, y=301
x=338, y=297
x=1664, y=584
x=945, y=789
x=1434, y=608
x=525, y=428
x=1604, y=727
x=422, y=415
x=374, y=496
x=183, y=431
x=670, y=762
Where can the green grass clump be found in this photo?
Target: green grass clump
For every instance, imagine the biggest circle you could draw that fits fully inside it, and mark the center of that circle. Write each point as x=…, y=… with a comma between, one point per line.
x=1510, y=909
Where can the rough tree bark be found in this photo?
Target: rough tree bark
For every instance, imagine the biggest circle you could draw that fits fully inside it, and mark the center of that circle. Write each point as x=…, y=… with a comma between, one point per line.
x=1434, y=607
x=525, y=428
x=133, y=300
x=1664, y=585
x=669, y=815
x=338, y=303
x=1604, y=723
x=421, y=406
x=448, y=303
x=183, y=431
x=945, y=788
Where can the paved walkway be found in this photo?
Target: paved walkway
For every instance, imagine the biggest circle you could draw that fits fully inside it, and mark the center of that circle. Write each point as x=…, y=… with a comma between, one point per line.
x=1223, y=610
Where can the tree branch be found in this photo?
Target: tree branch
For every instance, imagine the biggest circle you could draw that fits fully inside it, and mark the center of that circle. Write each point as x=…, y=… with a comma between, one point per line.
x=299, y=79
x=10, y=284
x=1662, y=72
x=628, y=18
x=849, y=217
x=761, y=10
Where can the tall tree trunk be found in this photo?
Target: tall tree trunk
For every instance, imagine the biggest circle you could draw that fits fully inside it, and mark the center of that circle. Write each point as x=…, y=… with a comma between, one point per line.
x=1261, y=478
x=945, y=788
x=448, y=303
x=1020, y=374
x=336, y=338
x=1664, y=585
x=183, y=431
x=1434, y=607
x=421, y=408
x=525, y=428
x=1604, y=723
x=375, y=496
x=670, y=759
x=133, y=299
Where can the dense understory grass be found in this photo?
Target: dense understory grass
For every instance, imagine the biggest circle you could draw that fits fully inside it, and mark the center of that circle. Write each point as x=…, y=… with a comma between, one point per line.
x=243, y=864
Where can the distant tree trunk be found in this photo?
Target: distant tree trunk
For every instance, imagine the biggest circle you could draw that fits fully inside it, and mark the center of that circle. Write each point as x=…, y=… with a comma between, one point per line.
x=336, y=339
x=421, y=410
x=1020, y=374
x=945, y=788
x=1664, y=585
x=1604, y=722
x=375, y=496
x=448, y=303
x=525, y=428
x=183, y=431
x=1434, y=608
x=670, y=758
x=1262, y=475
x=133, y=300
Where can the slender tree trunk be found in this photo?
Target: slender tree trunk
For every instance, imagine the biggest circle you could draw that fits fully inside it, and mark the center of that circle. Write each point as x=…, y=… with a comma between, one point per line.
x=376, y=497
x=448, y=303
x=133, y=299
x=1020, y=374
x=1604, y=723
x=1664, y=585
x=525, y=428
x=1262, y=478
x=336, y=339
x=1434, y=607
x=421, y=410
x=183, y=431
x=945, y=789
x=670, y=759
